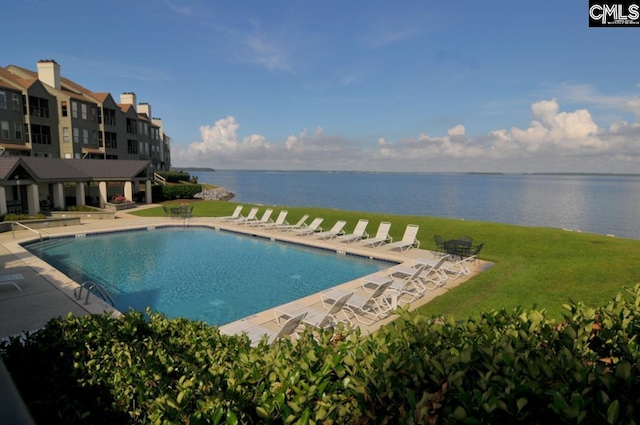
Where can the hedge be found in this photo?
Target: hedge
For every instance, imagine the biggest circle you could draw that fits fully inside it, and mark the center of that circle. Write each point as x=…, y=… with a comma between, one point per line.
x=174, y=176
x=182, y=191
x=506, y=367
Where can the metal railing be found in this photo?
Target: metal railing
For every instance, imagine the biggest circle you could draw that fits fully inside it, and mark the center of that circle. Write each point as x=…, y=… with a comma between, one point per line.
x=98, y=290
x=28, y=228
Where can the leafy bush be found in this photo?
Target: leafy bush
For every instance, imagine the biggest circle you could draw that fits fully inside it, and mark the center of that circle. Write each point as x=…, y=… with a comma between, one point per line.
x=183, y=191
x=174, y=176
x=506, y=367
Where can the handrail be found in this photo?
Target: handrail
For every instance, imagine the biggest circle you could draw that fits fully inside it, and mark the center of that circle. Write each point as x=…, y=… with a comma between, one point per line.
x=28, y=228
x=89, y=285
x=161, y=179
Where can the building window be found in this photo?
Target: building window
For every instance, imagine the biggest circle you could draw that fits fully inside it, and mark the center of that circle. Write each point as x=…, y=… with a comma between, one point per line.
x=17, y=128
x=16, y=101
x=146, y=130
x=40, y=134
x=65, y=134
x=83, y=108
x=93, y=114
x=76, y=135
x=3, y=100
x=4, y=129
x=74, y=109
x=85, y=136
x=132, y=147
x=63, y=108
x=38, y=107
x=131, y=126
x=109, y=116
x=110, y=140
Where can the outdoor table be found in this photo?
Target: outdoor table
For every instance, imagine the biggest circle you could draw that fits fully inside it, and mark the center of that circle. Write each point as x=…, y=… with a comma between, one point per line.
x=456, y=247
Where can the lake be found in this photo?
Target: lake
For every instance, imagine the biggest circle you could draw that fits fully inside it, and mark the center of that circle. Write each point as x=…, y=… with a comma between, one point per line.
x=595, y=204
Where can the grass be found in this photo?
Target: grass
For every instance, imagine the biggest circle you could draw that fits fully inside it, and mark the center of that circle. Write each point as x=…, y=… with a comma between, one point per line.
x=534, y=266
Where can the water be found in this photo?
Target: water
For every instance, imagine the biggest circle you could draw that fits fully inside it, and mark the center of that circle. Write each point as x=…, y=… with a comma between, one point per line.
x=596, y=204
x=201, y=274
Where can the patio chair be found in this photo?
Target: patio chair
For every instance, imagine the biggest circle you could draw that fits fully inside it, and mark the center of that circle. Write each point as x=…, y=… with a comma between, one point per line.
x=365, y=309
x=256, y=333
x=280, y=221
x=266, y=218
x=236, y=214
x=407, y=285
x=408, y=239
x=321, y=319
x=382, y=236
x=439, y=244
x=166, y=210
x=473, y=253
x=251, y=216
x=360, y=232
x=312, y=228
x=289, y=227
x=335, y=231
x=8, y=279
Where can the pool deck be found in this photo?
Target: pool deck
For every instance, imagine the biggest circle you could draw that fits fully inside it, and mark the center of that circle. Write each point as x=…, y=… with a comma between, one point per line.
x=47, y=293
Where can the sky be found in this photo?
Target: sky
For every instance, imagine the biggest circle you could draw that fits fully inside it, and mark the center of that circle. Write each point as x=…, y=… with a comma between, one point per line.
x=355, y=85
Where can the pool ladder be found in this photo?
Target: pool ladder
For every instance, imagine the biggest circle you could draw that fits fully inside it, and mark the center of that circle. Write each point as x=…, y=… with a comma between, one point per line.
x=98, y=290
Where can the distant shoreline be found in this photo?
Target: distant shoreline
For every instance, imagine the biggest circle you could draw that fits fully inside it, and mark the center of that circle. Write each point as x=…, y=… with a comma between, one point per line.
x=207, y=169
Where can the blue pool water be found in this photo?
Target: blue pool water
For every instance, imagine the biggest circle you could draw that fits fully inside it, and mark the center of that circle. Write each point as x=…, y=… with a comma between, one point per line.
x=200, y=273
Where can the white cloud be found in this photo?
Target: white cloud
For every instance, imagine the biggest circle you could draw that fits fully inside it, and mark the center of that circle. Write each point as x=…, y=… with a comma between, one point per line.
x=555, y=140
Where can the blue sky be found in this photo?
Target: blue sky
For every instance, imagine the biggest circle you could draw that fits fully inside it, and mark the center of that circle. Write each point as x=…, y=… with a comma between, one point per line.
x=355, y=85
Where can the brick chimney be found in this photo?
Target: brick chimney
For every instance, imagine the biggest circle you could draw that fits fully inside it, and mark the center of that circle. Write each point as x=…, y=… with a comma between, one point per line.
x=144, y=108
x=128, y=98
x=49, y=72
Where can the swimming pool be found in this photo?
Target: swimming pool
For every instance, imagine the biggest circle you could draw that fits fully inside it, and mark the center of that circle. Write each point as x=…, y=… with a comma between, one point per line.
x=200, y=273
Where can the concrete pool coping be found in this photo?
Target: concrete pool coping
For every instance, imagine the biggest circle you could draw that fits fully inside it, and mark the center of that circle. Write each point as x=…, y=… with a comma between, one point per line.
x=47, y=293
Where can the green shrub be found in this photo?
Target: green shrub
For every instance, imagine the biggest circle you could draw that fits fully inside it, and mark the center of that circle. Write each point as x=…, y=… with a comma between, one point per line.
x=183, y=191
x=22, y=217
x=174, y=176
x=505, y=367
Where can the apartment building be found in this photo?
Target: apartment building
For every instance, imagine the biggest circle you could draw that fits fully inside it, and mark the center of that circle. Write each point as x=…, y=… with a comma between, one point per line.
x=43, y=114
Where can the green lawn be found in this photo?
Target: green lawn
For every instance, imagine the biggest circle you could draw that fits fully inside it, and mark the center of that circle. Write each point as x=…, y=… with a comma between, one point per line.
x=534, y=266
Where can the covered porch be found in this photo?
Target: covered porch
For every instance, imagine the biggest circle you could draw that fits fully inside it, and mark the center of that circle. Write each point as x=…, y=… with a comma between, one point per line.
x=31, y=185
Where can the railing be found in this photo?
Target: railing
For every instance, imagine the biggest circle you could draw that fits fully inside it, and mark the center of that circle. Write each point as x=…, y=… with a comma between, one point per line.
x=28, y=228
x=159, y=178
x=92, y=286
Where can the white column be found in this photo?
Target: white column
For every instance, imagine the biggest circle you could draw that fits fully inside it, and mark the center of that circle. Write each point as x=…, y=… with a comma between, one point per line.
x=33, y=199
x=147, y=192
x=58, y=195
x=103, y=193
x=80, y=193
x=128, y=193
x=3, y=201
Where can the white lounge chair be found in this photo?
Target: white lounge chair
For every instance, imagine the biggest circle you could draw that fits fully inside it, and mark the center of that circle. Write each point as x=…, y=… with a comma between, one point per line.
x=408, y=239
x=257, y=332
x=382, y=236
x=315, y=318
x=365, y=309
x=335, y=231
x=408, y=287
x=266, y=218
x=289, y=227
x=236, y=214
x=360, y=232
x=312, y=228
x=242, y=220
x=431, y=276
x=280, y=221
x=8, y=279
